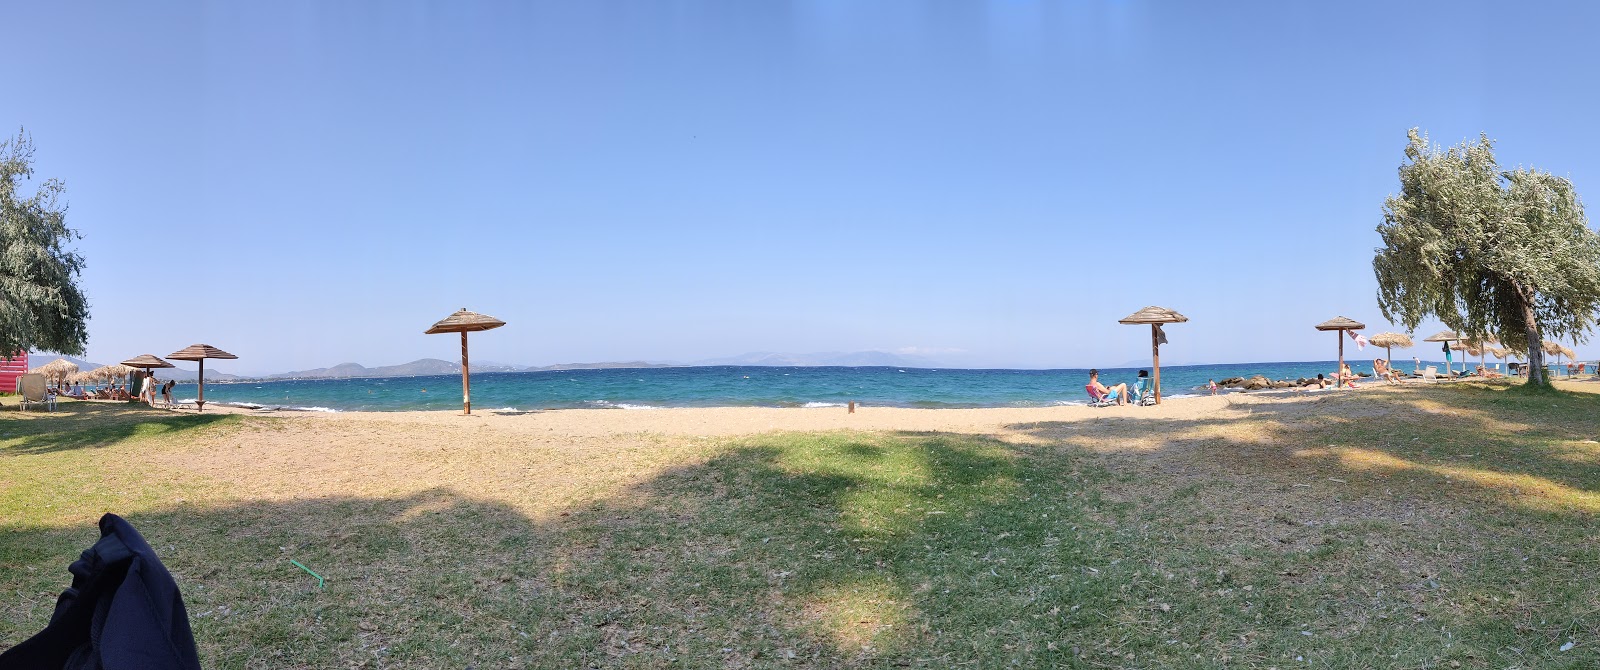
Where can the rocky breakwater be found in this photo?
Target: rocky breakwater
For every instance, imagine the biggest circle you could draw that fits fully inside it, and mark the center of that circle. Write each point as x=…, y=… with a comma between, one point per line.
x=1261, y=382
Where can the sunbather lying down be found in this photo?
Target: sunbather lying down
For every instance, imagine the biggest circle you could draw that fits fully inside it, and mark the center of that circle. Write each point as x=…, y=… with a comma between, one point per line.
x=1118, y=393
x=1487, y=373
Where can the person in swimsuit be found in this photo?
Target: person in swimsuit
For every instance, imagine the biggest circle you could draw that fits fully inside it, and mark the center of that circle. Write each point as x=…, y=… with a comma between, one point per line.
x=1118, y=393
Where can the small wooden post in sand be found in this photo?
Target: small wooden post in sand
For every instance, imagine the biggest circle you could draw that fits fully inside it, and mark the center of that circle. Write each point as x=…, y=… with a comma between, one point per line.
x=1155, y=316
x=465, y=322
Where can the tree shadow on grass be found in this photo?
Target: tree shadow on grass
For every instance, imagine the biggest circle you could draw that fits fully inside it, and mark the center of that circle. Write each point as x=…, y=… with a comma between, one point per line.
x=85, y=425
x=844, y=550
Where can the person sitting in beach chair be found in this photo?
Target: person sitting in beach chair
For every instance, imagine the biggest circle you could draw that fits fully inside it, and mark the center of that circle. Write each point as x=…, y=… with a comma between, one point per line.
x=1381, y=370
x=1345, y=377
x=1118, y=393
x=1096, y=399
x=1144, y=391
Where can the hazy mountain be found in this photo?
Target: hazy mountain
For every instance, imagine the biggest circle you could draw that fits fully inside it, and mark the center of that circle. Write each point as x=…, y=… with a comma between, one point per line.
x=828, y=358
x=422, y=367
x=598, y=366
x=434, y=366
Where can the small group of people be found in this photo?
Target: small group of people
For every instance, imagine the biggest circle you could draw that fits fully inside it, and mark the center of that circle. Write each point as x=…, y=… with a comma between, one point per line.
x=147, y=394
x=1120, y=393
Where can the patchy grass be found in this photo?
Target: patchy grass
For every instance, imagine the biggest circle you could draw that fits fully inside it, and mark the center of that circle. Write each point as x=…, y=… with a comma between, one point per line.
x=1419, y=527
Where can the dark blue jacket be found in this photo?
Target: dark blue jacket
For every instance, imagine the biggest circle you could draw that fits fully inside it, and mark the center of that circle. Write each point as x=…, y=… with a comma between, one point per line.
x=123, y=612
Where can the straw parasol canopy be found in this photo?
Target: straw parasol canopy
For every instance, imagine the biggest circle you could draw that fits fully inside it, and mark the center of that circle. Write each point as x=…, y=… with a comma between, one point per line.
x=1155, y=316
x=199, y=353
x=57, y=369
x=1389, y=341
x=146, y=361
x=1446, y=336
x=1339, y=325
x=111, y=372
x=464, y=321
x=1558, y=350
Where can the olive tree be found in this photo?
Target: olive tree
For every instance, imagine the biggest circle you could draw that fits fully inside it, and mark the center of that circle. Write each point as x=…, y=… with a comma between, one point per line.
x=1489, y=252
x=41, y=306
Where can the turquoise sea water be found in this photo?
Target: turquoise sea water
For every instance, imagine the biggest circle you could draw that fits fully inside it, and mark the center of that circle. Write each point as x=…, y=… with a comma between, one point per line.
x=723, y=386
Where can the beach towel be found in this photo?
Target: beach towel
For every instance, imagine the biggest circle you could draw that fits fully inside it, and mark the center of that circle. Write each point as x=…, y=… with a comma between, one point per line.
x=1161, y=335
x=123, y=612
x=1361, y=340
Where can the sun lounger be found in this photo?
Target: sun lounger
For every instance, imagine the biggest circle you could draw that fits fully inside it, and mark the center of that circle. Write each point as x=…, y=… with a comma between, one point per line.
x=1431, y=373
x=32, y=389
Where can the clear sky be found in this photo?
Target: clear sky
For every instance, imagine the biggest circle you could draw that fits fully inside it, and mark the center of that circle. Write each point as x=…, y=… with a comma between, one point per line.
x=307, y=183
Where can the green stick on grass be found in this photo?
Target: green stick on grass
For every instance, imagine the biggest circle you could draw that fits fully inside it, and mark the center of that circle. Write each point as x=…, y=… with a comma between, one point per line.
x=308, y=571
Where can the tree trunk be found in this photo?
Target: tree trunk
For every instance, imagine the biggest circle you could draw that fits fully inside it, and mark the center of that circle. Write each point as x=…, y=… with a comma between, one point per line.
x=1530, y=326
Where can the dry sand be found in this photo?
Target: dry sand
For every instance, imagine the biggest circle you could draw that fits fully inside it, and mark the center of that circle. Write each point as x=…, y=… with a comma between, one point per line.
x=732, y=421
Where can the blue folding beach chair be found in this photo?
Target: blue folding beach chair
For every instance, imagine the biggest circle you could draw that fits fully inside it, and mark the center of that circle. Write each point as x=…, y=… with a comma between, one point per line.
x=1144, y=392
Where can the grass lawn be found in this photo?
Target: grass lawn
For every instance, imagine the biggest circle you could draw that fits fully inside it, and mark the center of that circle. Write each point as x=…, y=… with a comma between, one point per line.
x=1422, y=527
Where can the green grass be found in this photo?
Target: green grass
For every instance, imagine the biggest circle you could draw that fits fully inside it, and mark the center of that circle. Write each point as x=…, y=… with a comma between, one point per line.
x=1441, y=527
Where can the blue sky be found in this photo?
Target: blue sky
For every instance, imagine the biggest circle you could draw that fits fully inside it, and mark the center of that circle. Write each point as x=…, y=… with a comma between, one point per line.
x=986, y=183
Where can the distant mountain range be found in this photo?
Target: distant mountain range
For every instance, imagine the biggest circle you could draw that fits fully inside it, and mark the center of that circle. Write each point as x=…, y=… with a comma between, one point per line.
x=434, y=366
x=828, y=358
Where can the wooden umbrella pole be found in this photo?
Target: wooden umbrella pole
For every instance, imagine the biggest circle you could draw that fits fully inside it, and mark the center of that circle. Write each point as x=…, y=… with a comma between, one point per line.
x=1155, y=355
x=1339, y=374
x=200, y=400
x=466, y=382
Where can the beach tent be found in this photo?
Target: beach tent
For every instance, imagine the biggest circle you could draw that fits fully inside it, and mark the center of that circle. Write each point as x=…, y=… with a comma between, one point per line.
x=1446, y=336
x=1339, y=325
x=1155, y=316
x=199, y=353
x=1389, y=341
x=463, y=321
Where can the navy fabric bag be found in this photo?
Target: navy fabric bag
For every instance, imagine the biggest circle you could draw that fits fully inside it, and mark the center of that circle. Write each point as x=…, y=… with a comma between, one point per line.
x=122, y=612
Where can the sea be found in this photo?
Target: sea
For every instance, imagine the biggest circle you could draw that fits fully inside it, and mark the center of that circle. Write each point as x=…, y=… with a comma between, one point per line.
x=731, y=386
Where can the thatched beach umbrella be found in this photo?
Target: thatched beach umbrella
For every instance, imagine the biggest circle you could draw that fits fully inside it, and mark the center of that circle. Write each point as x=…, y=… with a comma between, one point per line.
x=1155, y=316
x=199, y=353
x=147, y=362
x=111, y=373
x=1339, y=325
x=57, y=369
x=1446, y=336
x=1389, y=341
x=1557, y=350
x=465, y=322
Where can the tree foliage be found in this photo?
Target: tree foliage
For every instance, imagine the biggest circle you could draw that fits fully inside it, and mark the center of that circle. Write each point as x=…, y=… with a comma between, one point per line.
x=1489, y=252
x=41, y=306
